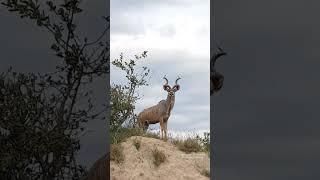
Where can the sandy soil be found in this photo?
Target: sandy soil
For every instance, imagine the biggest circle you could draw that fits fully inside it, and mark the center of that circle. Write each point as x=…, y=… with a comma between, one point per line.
x=138, y=164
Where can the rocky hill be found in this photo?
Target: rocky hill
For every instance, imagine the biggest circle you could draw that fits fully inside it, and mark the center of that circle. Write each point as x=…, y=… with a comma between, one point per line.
x=145, y=158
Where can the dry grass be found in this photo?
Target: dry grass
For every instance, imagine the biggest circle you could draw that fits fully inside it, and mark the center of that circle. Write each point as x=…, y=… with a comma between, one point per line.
x=123, y=134
x=175, y=142
x=151, y=135
x=116, y=153
x=205, y=172
x=158, y=157
x=189, y=145
x=136, y=143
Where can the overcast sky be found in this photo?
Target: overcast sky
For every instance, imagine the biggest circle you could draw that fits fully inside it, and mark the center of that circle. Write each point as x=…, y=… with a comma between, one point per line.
x=176, y=35
x=267, y=114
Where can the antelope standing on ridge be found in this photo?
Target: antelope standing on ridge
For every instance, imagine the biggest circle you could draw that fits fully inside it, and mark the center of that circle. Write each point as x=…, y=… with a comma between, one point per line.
x=159, y=113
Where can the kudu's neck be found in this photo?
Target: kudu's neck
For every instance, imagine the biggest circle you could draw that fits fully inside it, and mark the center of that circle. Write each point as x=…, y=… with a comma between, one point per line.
x=170, y=100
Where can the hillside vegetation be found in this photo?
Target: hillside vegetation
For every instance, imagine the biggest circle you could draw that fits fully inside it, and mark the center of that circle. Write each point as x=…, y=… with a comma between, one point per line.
x=145, y=156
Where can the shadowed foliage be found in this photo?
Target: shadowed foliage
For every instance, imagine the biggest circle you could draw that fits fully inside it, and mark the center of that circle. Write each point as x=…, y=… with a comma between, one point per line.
x=43, y=115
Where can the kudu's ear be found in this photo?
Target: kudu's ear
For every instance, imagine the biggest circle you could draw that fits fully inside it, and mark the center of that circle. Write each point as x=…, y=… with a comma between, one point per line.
x=166, y=87
x=176, y=88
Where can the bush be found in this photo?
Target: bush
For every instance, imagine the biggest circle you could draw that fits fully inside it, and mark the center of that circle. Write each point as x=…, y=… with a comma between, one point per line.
x=205, y=172
x=136, y=143
x=189, y=145
x=123, y=97
x=205, y=142
x=123, y=134
x=116, y=153
x=158, y=157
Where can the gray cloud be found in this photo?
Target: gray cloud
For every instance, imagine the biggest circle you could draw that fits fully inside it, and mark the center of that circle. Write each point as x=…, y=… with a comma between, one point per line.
x=158, y=25
x=191, y=110
x=167, y=30
x=144, y=4
x=136, y=17
x=123, y=23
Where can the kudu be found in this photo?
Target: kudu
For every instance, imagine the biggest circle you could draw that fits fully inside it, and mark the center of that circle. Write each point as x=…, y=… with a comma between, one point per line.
x=159, y=113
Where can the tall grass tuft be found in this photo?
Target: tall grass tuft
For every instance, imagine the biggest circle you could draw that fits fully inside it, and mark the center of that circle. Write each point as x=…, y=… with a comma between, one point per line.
x=116, y=153
x=136, y=143
x=158, y=157
x=189, y=145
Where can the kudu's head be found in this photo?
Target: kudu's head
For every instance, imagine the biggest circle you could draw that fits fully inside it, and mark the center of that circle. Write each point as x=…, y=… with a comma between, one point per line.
x=170, y=90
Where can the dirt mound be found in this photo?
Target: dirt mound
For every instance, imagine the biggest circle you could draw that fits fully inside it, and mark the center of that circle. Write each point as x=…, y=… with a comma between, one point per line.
x=138, y=163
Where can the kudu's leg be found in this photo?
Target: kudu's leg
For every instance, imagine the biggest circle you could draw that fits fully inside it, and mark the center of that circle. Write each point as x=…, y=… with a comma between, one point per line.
x=145, y=126
x=161, y=128
x=165, y=130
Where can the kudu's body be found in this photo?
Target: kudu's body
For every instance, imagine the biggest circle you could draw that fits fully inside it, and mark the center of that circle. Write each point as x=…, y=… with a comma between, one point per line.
x=159, y=113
